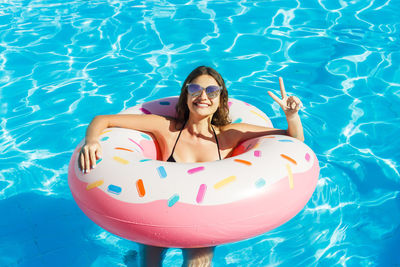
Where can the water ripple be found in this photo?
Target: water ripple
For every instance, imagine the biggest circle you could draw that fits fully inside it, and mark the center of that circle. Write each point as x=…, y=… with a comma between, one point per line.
x=64, y=62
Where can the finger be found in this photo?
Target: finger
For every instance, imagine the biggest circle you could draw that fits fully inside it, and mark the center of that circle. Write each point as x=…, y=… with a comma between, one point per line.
x=80, y=161
x=98, y=153
x=87, y=160
x=282, y=86
x=277, y=99
x=298, y=102
x=92, y=158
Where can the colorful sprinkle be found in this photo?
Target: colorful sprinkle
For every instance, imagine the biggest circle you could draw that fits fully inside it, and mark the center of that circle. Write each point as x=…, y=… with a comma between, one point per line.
x=161, y=172
x=98, y=161
x=224, y=182
x=121, y=148
x=289, y=159
x=114, y=189
x=260, y=183
x=257, y=153
x=201, y=193
x=194, y=170
x=140, y=188
x=285, y=140
x=238, y=120
x=120, y=160
x=269, y=137
x=172, y=200
x=136, y=144
x=94, y=184
x=259, y=115
x=145, y=111
x=290, y=176
x=144, y=160
x=165, y=103
x=104, y=139
x=105, y=132
x=308, y=157
x=145, y=136
x=248, y=163
x=229, y=104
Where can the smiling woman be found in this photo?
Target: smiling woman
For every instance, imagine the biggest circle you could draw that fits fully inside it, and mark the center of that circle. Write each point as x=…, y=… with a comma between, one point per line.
x=200, y=126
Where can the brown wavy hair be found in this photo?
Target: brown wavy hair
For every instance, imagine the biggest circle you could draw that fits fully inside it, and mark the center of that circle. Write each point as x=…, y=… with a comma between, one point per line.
x=221, y=115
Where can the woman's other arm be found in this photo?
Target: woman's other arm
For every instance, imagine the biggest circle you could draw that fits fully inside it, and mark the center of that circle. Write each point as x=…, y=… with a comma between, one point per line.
x=91, y=150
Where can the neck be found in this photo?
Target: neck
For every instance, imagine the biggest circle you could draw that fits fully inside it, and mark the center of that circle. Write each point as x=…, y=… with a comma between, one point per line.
x=199, y=126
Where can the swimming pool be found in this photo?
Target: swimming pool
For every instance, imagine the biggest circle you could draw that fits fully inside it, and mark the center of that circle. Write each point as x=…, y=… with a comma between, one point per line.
x=63, y=62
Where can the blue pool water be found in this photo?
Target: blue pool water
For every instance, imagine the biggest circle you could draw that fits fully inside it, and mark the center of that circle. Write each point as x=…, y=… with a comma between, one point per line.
x=63, y=62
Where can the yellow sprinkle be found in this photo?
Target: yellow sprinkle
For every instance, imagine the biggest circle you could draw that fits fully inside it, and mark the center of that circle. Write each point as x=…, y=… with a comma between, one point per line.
x=120, y=160
x=257, y=145
x=259, y=115
x=105, y=132
x=224, y=182
x=290, y=175
x=94, y=184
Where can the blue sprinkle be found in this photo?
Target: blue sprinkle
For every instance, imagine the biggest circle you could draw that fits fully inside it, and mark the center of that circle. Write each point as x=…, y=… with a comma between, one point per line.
x=286, y=140
x=238, y=120
x=104, y=138
x=260, y=183
x=165, y=103
x=144, y=160
x=114, y=189
x=161, y=171
x=98, y=161
x=172, y=200
x=145, y=136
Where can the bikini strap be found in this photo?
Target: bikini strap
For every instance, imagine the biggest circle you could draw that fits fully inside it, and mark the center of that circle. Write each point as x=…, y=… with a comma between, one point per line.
x=173, y=149
x=216, y=140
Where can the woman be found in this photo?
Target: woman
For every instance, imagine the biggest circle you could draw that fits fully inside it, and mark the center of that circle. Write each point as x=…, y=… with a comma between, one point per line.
x=201, y=132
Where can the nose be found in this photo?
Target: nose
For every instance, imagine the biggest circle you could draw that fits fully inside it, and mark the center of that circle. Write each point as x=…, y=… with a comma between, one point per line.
x=203, y=94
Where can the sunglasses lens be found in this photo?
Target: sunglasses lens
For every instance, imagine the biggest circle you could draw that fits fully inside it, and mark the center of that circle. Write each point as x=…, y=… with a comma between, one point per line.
x=213, y=91
x=194, y=89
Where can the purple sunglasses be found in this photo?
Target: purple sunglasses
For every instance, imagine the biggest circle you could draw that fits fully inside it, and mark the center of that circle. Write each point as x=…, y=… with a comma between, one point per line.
x=212, y=91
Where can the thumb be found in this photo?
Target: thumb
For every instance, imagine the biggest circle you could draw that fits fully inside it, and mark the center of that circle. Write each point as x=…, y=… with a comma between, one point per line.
x=98, y=153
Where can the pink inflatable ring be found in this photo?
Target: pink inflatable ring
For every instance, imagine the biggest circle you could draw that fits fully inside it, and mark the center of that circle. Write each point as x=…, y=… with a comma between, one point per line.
x=136, y=196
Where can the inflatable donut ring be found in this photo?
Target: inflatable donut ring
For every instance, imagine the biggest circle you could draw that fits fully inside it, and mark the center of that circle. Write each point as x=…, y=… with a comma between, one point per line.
x=132, y=194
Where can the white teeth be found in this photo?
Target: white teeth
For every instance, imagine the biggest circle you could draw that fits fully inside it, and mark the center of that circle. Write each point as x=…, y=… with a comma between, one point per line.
x=201, y=105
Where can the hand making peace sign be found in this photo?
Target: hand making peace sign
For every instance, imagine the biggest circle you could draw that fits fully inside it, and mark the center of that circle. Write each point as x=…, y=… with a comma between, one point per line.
x=290, y=105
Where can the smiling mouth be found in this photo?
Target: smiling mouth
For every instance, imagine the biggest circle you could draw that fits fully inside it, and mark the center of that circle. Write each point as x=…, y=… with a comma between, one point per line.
x=201, y=105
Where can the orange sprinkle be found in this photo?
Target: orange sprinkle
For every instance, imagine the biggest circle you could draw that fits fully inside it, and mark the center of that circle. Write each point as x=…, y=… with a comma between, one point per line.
x=140, y=188
x=94, y=184
x=289, y=159
x=248, y=163
x=121, y=148
x=105, y=132
x=269, y=136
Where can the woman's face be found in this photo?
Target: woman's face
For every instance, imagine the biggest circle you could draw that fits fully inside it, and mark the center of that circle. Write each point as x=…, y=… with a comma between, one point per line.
x=203, y=105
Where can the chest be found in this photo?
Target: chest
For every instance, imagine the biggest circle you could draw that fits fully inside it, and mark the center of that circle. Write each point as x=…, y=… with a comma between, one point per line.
x=201, y=149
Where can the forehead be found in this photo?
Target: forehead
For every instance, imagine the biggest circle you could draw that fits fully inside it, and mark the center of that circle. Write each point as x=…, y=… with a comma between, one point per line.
x=205, y=80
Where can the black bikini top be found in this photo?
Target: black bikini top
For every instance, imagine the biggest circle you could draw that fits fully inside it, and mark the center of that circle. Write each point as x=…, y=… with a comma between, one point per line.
x=171, y=157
